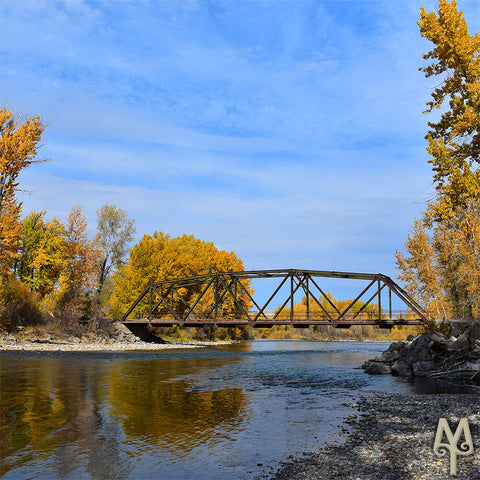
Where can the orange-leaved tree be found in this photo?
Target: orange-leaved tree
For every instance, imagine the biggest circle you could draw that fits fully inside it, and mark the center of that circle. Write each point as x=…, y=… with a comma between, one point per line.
x=79, y=270
x=19, y=143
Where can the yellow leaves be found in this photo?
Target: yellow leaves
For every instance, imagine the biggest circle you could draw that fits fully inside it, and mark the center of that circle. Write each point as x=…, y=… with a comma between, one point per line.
x=42, y=252
x=454, y=140
x=160, y=257
x=18, y=148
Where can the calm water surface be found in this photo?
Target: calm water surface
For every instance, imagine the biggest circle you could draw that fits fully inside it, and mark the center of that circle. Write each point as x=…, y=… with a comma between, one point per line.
x=218, y=413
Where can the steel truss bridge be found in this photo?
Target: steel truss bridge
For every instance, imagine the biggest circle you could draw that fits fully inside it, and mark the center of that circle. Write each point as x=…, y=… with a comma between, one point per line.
x=200, y=301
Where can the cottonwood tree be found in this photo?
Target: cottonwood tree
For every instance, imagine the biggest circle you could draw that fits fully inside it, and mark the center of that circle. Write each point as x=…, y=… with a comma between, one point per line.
x=159, y=257
x=19, y=143
x=454, y=139
x=115, y=232
x=443, y=261
x=80, y=259
x=42, y=252
x=421, y=272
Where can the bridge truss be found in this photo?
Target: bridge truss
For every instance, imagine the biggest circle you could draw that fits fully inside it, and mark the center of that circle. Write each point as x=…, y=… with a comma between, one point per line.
x=226, y=299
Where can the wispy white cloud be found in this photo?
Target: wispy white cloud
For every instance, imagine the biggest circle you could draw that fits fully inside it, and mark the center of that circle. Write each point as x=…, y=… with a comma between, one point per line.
x=289, y=132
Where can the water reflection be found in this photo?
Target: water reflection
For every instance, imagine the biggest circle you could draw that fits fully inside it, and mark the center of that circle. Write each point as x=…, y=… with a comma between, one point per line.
x=78, y=415
x=167, y=413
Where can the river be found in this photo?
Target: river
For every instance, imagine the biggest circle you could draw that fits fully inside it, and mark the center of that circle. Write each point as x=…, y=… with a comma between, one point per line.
x=226, y=412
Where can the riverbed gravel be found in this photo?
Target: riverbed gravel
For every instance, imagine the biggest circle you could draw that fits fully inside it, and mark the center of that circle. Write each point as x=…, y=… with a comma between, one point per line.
x=391, y=437
x=15, y=345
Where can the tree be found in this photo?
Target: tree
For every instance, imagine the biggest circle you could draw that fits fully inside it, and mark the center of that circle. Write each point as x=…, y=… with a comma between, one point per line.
x=19, y=143
x=442, y=268
x=453, y=140
x=421, y=272
x=159, y=257
x=42, y=249
x=115, y=231
x=80, y=258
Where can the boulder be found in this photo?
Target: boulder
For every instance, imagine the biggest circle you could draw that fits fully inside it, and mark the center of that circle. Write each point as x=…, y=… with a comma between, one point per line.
x=433, y=355
x=119, y=328
x=461, y=344
x=400, y=368
x=422, y=368
x=378, y=368
x=441, y=347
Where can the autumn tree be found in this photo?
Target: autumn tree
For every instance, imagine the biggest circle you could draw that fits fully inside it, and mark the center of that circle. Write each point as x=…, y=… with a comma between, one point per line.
x=159, y=257
x=421, y=272
x=454, y=139
x=19, y=143
x=42, y=250
x=80, y=258
x=115, y=231
x=442, y=266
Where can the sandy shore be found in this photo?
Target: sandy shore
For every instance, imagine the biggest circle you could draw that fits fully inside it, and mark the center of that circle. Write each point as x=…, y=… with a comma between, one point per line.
x=391, y=437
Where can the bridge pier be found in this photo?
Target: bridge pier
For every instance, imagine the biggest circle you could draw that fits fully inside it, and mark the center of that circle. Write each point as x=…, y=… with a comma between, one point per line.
x=140, y=330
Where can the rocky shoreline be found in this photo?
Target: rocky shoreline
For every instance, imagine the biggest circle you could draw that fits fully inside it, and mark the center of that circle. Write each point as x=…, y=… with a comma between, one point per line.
x=391, y=437
x=434, y=355
x=120, y=340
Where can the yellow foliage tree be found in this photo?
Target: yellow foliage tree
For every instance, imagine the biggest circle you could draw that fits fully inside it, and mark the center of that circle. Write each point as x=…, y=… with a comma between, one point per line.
x=453, y=140
x=42, y=251
x=442, y=271
x=19, y=142
x=159, y=257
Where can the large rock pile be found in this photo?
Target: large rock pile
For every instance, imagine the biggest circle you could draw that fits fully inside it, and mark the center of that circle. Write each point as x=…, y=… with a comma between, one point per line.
x=433, y=355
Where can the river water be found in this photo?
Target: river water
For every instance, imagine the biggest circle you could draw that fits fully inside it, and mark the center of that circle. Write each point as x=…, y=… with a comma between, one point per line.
x=226, y=412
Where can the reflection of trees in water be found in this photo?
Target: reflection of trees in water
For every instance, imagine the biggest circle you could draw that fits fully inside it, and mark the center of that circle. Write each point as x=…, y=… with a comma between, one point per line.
x=56, y=416
x=67, y=413
x=167, y=413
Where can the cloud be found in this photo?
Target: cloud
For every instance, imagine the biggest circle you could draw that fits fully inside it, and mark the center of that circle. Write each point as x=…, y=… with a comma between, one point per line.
x=289, y=132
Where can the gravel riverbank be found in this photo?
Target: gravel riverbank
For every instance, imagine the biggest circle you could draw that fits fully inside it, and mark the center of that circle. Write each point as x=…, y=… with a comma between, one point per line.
x=391, y=437
x=12, y=344
x=120, y=339
x=114, y=347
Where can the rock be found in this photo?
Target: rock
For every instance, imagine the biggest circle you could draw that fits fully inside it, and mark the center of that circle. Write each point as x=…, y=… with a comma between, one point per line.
x=462, y=344
x=421, y=368
x=395, y=346
x=441, y=347
x=400, y=368
x=378, y=368
x=434, y=356
x=119, y=328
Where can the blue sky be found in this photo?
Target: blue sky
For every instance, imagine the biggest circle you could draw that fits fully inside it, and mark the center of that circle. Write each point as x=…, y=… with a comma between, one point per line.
x=288, y=131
